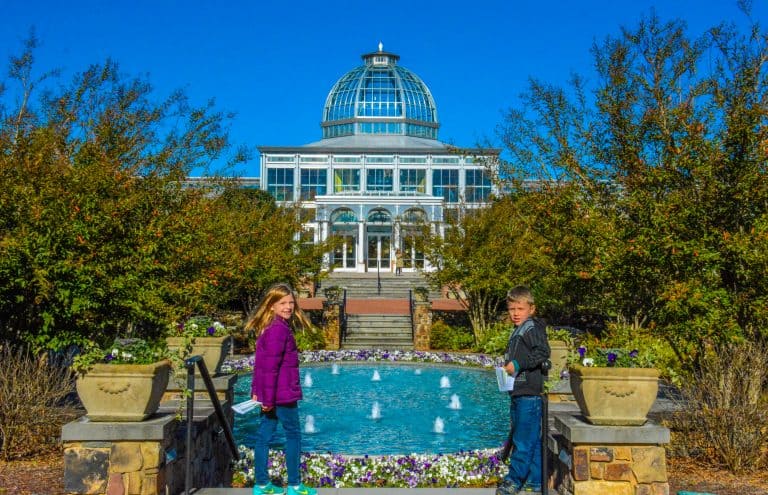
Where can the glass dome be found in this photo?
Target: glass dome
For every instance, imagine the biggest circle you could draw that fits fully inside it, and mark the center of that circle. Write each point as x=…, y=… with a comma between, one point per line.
x=382, y=98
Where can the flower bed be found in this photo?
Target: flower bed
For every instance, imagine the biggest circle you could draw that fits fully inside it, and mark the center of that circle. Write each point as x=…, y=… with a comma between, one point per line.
x=477, y=468
x=478, y=360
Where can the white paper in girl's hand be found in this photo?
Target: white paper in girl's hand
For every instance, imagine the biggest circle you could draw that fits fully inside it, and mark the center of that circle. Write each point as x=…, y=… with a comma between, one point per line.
x=246, y=407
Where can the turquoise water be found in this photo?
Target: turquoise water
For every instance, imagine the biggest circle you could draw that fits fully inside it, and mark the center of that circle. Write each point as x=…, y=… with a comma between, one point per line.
x=410, y=399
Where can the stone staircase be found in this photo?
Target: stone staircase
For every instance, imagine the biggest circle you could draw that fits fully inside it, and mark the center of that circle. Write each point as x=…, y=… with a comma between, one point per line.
x=378, y=331
x=365, y=285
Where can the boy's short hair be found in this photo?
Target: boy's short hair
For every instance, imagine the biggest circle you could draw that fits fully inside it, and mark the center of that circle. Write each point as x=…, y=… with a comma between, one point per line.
x=520, y=293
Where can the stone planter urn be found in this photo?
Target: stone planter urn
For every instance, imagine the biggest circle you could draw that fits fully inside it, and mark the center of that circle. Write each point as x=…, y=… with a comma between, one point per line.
x=614, y=396
x=123, y=392
x=421, y=294
x=213, y=350
x=558, y=357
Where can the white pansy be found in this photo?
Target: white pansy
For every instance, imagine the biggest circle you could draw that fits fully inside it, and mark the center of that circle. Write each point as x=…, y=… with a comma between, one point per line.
x=588, y=362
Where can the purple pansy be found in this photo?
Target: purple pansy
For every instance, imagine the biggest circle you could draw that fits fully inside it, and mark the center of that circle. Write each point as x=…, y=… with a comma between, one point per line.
x=582, y=351
x=633, y=353
x=611, y=358
x=211, y=330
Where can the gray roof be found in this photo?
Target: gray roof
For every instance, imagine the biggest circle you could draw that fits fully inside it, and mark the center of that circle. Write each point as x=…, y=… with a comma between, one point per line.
x=378, y=141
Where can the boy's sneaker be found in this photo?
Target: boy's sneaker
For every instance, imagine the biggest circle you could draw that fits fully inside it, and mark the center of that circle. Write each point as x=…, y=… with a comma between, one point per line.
x=302, y=489
x=530, y=490
x=268, y=489
x=507, y=487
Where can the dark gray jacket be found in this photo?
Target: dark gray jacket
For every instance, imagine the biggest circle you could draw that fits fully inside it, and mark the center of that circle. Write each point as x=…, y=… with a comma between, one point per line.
x=528, y=348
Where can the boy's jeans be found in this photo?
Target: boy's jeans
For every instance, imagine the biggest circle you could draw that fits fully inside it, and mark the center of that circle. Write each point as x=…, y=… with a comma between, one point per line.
x=289, y=418
x=525, y=461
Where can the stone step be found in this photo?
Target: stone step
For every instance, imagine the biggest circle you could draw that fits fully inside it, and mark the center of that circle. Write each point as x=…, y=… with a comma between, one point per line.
x=366, y=284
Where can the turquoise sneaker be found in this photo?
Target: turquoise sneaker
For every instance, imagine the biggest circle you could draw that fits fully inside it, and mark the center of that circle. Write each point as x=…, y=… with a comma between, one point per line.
x=268, y=489
x=302, y=489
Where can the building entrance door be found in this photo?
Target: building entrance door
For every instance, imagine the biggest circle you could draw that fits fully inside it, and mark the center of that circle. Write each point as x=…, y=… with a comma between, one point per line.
x=344, y=253
x=412, y=253
x=378, y=251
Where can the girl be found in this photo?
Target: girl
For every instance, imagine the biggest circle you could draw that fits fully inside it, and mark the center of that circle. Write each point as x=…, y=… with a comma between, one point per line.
x=276, y=385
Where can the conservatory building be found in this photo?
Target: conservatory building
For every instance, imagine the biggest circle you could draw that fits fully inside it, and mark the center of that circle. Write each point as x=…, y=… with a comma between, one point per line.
x=379, y=175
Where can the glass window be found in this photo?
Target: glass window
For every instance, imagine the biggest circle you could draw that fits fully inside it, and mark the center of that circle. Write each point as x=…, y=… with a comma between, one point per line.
x=279, y=159
x=280, y=183
x=346, y=159
x=313, y=159
x=413, y=180
x=343, y=215
x=445, y=183
x=379, y=216
x=413, y=216
x=379, y=159
x=346, y=179
x=413, y=159
x=379, y=179
x=313, y=182
x=446, y=160
x=478, y=186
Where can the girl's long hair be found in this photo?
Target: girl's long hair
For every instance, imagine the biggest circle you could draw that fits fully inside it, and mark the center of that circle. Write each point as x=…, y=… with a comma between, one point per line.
x=263, y=314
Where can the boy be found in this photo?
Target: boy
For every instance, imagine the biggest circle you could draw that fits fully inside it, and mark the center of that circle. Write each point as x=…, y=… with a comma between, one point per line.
x=527, y=350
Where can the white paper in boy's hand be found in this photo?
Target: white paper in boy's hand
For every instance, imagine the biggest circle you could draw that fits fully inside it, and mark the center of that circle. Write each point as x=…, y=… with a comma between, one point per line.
x=246, y=407
x=505, y=380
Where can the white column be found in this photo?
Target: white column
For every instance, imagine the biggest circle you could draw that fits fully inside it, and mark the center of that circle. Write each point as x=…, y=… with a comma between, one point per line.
x=361, y=246
x=323, y=236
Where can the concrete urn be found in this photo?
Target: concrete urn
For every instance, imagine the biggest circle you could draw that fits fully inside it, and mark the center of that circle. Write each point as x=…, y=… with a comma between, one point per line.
x=558, y=357
x=213, y=350
x=123, y=392
x=614, y=396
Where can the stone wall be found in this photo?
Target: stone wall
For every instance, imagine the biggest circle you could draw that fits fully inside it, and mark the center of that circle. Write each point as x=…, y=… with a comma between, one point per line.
x=608, y=460
x=422, y=321
x=332, y=325
x=148, y=457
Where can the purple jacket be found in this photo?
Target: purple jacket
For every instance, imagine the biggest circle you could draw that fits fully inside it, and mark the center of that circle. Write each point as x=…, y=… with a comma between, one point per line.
x=276, y=366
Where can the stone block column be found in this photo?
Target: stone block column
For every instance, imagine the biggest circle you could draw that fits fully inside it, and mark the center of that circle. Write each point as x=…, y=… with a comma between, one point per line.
x=422, y=322
x=149, y=457
x=608, y=460
x=332, y=325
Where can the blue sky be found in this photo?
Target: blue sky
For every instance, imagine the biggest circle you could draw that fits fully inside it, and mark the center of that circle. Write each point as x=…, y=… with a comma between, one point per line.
x=273, y=63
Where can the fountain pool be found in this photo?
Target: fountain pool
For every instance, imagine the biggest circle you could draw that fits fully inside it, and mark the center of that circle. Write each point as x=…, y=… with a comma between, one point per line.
x=397, y=414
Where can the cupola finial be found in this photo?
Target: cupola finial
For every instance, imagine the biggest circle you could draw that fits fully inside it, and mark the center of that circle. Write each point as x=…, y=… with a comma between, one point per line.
x=381, y=46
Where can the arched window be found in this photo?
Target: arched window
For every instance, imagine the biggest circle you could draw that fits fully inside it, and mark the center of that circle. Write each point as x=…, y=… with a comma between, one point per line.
x=414, y=215
x=379, y=216
x=343, y=215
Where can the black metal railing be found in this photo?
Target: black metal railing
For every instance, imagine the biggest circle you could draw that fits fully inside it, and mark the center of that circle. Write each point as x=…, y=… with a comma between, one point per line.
x=378, y=277
x=343, y=316
x=190, y=363
x=410, y=311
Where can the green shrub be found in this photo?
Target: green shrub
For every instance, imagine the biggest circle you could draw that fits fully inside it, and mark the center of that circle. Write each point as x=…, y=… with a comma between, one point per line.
x=31, y=396
x=310, y=339
x=449, y=338
x=495, y=339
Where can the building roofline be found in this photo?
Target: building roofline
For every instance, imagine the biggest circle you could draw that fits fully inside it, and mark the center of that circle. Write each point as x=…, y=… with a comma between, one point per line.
x=378, y=151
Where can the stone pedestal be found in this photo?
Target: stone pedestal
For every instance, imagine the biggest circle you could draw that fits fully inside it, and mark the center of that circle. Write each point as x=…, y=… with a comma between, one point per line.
x=332, y=325
x=422, y=322
x=561, y=393
x=148, y=457
x=607, y=460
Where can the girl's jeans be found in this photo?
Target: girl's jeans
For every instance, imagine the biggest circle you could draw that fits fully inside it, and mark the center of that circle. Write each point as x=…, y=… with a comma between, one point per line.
x=288, y=416
x=525, y=461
